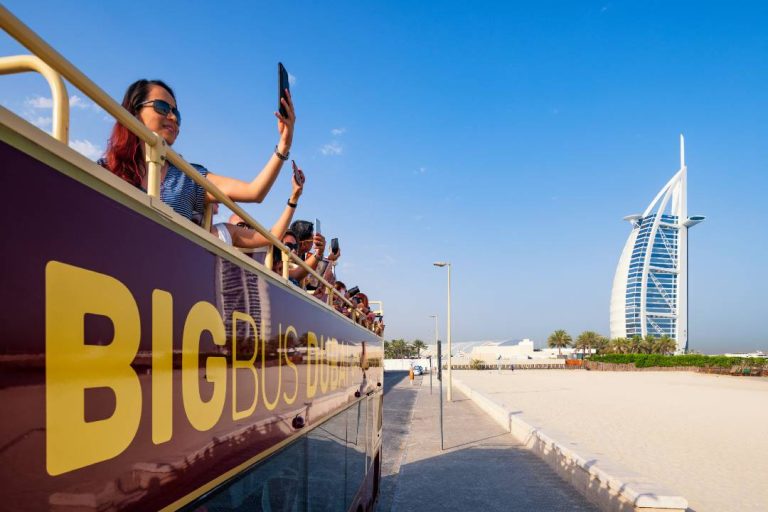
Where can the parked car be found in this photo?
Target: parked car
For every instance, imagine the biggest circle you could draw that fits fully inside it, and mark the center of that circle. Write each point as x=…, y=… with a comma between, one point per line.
x=418, y=370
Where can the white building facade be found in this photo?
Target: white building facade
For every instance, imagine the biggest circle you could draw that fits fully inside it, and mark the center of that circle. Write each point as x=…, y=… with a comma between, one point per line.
x=650, y=287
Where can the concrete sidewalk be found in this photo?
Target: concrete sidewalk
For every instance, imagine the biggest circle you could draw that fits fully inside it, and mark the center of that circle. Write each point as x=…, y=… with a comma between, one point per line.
x=482, y=467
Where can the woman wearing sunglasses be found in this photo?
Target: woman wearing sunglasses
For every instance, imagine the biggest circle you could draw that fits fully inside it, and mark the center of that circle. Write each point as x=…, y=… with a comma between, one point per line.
x=154, y=104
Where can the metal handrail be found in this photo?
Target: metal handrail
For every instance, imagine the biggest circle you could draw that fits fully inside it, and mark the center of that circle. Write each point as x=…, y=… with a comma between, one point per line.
x=156, y=149
x=25, y=63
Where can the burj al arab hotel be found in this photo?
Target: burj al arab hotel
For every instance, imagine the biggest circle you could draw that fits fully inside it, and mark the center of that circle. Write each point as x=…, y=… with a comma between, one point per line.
x=650, y=288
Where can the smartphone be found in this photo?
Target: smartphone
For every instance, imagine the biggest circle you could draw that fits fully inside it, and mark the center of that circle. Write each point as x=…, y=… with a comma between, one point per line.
x=298, y=174
x=282, y=85
x=318, y=231
x=334, y=245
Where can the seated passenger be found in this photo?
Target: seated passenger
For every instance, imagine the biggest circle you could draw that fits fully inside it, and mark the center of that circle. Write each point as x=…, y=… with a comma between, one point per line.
x=378, y=325
x=154, y=104
x=304, y=232
x=239, y=234
x=363, y=309
x=326, y=269
x=290, y=241
x=338, y=303
x=341, y=305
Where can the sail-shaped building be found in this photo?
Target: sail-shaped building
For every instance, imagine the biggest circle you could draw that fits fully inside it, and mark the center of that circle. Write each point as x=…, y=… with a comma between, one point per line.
x=650, y=288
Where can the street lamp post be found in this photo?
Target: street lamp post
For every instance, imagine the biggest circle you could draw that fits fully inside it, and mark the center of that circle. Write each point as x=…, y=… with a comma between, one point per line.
x=450, y=382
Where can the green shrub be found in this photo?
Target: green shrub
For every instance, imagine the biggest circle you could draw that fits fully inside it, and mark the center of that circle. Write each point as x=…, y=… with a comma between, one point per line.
x=699, y=360
x=476, y=364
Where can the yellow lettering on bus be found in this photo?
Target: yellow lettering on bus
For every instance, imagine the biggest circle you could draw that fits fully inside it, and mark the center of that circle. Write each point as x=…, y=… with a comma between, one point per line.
x=71, y=367
x=203, y=415
x=311, y=385
x=335, y=365
x=342, y=365
x=324, y=369
x=162, y=366
x=346, y=365
x=291, y=365
x=271, y=405
x=244, y=364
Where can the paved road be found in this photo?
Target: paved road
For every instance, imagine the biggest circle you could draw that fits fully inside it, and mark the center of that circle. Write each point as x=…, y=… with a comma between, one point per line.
x=482, y=466
x=399, y=400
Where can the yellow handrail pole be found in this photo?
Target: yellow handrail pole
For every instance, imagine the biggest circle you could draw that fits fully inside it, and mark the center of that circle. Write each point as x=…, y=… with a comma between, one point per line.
x=208, y=216
x=269, y=259
x=24, y=63
x=285, y=256
x=155, y=158
x=24, y=35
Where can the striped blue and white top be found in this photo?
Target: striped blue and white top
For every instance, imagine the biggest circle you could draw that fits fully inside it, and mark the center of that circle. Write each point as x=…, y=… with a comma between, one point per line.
x=186, y=197
x=180, y=192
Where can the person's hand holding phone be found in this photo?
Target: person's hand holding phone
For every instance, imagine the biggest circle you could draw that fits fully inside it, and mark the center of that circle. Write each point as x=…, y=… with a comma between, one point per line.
x=335, y=253
x=319, y=241
x=297, y=183
x=286, y=115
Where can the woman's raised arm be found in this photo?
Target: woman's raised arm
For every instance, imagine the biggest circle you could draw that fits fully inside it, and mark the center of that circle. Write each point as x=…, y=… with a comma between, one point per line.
x=250, y=238
x=256, y=190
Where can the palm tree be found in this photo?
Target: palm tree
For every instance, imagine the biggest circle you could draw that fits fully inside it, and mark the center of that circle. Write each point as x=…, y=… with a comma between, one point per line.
x=559, y=339
x=601, y=345
x=419, y=346
x=648, y=344
x=586, y=341
x=399, y=348
x=634, y=344
x=665, y=345
x=620, y=345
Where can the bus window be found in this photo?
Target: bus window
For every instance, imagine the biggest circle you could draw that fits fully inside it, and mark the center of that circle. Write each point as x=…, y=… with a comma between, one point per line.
x=326, y=459
x=276, y=484
x=356, y=448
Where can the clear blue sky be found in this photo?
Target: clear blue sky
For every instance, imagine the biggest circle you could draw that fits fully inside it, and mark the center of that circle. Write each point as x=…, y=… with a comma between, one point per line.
x=509, y=138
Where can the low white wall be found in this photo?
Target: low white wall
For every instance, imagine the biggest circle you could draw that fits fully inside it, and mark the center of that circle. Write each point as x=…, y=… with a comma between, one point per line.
x=405, y=364
x=610, y=487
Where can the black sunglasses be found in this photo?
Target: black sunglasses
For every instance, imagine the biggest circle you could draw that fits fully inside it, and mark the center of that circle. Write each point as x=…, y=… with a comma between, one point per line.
x=291, y=246
x=163, y=108
x=243, y=225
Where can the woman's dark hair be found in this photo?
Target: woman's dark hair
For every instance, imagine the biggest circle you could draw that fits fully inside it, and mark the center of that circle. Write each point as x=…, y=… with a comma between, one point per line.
x=303, y=229
x=124, y=156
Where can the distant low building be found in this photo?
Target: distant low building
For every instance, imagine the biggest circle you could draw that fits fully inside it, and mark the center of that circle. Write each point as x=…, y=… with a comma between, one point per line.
x=489, y=351
x=522, y=349
x=757, y=354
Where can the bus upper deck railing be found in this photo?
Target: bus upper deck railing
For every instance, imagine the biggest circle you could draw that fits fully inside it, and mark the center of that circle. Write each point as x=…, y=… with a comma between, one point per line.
x=52, y=65
x=23, y=63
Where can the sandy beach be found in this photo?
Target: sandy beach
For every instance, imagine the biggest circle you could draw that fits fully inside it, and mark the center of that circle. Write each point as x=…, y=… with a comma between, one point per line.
x=703, y=436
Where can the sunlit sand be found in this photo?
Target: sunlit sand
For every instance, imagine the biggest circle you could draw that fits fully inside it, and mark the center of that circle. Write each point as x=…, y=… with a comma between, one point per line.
x=703, y=436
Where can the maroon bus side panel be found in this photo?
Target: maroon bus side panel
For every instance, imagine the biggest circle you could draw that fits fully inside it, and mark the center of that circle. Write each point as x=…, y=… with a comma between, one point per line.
x=53, y=217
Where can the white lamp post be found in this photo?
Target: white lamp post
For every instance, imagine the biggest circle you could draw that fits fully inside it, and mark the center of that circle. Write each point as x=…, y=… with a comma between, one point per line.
x=448, y=264
x=436, y=335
